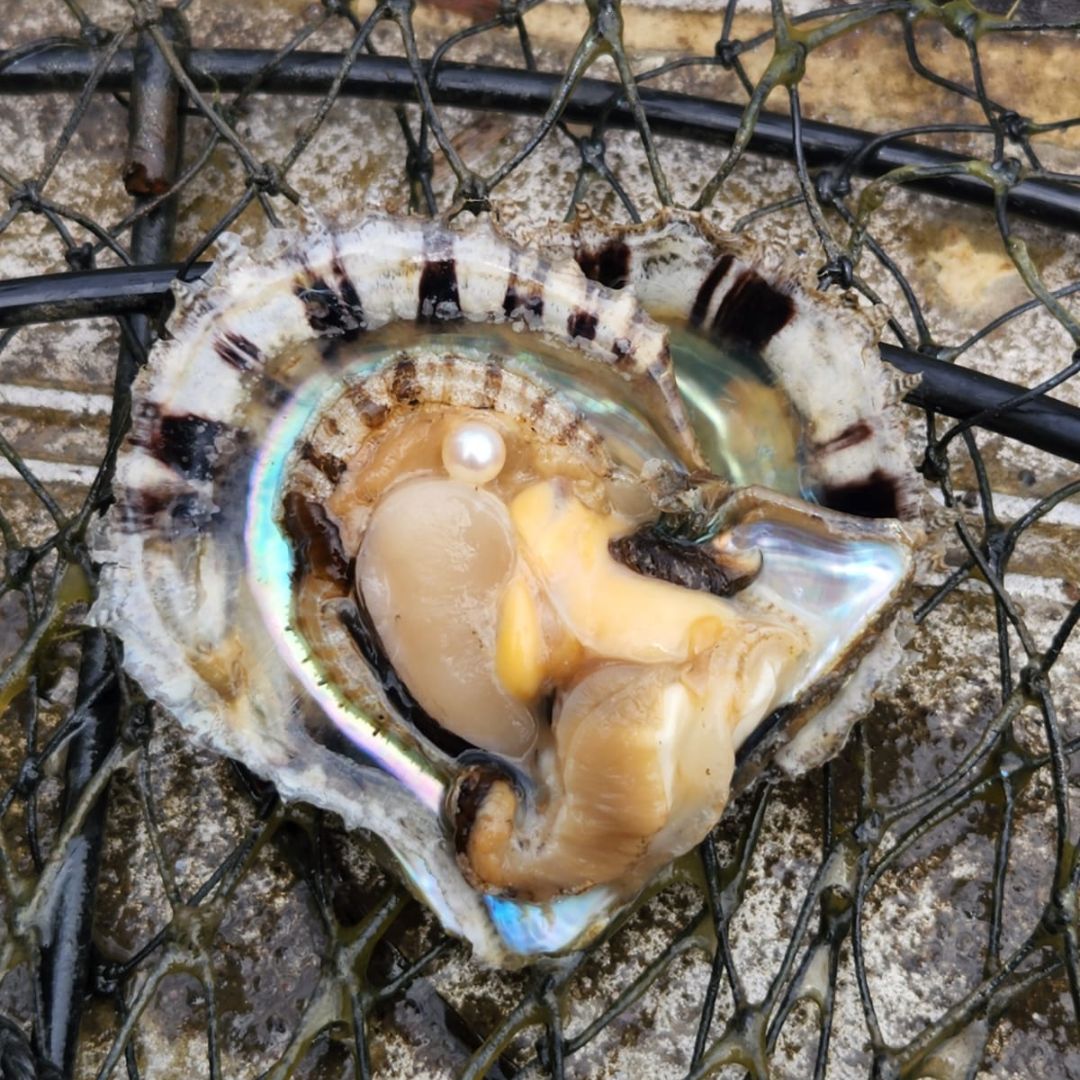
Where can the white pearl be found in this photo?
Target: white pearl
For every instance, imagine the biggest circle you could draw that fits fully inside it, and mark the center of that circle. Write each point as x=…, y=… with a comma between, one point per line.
x=473, y=453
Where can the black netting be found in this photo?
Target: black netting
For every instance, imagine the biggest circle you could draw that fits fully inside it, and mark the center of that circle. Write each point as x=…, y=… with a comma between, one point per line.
x=910, y=909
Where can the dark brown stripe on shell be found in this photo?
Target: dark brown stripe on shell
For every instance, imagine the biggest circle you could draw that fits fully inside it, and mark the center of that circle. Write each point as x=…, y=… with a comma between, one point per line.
x=569, y=433
x=372, y=412
x=188, y=444
x=518, y=304
x=878, y=496
x=238, y=351
x=539, y=407
x=328, y=313
x=349, y=296
x=330, y=465
x=581, y=324
x=438, y=292
x=752, y=311
x=316, y=542
x=708, y=287
x=403, y=385
x=493, y=380
x=609, y=265
x=852, y=435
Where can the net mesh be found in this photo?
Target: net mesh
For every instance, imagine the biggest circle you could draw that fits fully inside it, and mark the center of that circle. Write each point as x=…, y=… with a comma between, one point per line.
x=908, y=910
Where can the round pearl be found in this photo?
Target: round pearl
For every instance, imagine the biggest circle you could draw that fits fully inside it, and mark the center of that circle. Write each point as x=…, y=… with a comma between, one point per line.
x=473, y=453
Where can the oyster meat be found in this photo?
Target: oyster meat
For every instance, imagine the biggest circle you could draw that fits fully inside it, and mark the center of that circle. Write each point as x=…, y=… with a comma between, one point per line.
x=519, y=560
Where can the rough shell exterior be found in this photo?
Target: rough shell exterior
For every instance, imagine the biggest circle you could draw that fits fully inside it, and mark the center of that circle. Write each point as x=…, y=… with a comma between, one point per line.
x=180, y=481
x=820, y=347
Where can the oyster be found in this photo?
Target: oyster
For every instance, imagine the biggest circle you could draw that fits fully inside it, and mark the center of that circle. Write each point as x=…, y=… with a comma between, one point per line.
x=421, y=526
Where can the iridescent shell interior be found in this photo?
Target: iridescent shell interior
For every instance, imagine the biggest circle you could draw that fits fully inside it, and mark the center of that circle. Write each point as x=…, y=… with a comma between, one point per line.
x=519, y=560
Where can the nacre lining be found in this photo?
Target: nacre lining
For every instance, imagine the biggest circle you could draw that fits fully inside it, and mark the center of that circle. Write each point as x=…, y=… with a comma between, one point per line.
x=270, y=558
x=834, y=587
x=270, y=569
x=233, y=609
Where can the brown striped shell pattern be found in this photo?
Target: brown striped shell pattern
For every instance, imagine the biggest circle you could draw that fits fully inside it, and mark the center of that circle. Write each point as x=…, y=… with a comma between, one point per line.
x=522, y=558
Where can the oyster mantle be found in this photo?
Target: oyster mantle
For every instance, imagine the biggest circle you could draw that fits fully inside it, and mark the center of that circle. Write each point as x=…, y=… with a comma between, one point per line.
x=419, y=525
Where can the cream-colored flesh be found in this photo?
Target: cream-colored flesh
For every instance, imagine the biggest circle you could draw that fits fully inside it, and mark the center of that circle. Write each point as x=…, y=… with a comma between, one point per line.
x=496, y=596
x=434, y=561
x=644, y=738
x=483, y=609
x=613, y=611
x=636, y=753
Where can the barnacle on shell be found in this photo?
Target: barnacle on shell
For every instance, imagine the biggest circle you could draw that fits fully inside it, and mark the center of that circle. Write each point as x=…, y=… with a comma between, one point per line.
x=431, y=530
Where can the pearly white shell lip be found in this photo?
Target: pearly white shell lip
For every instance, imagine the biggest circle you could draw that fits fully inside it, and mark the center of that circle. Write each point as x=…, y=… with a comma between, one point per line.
x=249, y=296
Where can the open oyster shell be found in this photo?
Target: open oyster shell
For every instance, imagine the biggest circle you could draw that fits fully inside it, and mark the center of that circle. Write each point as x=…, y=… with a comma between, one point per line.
x=430, y=530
